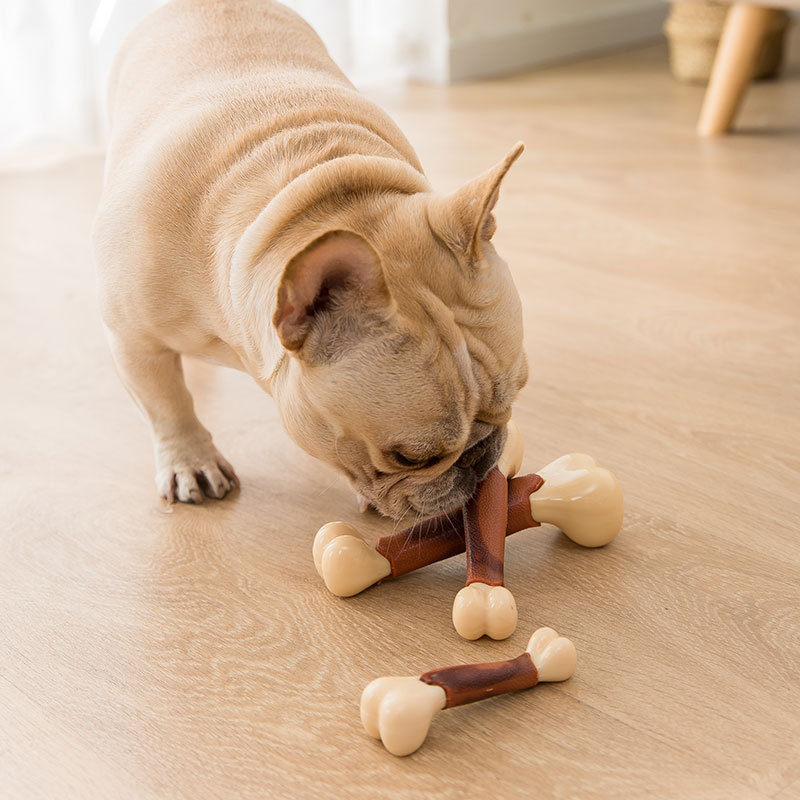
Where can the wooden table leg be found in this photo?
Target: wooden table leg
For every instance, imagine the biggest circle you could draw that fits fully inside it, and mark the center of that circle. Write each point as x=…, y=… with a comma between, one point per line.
x=742, y=36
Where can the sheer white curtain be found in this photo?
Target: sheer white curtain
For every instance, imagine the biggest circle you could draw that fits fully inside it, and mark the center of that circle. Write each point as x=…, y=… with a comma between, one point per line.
x=380, y=42
x=55, y=56
x=54, y=59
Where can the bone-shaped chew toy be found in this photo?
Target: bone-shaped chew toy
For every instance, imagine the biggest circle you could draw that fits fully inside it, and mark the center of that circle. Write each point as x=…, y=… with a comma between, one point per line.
x=572, y=492
x=485, y=606
x=399, y=710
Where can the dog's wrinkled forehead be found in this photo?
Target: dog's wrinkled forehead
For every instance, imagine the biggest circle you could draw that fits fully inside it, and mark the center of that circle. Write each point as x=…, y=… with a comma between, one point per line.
x=476, y=320
x=405, y=386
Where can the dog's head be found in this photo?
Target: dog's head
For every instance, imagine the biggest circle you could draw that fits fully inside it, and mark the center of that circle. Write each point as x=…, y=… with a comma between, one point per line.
x=405, y=345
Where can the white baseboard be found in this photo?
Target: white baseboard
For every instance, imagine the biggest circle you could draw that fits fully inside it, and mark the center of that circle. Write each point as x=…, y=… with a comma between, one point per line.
x=521, y=50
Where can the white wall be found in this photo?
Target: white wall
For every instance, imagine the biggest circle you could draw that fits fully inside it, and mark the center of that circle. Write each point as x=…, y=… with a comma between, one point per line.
x=490, y=38
x=471, y=19
x=440, y=41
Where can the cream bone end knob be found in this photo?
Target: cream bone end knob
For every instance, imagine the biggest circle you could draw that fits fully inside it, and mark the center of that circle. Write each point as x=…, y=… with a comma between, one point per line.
x=399, y=710
x=581, y=498
x=554, y=656
x=483, y=610
x=346, y=563
x=485, y=607
x=510, y=459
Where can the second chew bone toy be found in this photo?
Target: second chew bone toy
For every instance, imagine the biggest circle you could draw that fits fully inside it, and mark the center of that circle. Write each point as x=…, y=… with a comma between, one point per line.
x=399, y=710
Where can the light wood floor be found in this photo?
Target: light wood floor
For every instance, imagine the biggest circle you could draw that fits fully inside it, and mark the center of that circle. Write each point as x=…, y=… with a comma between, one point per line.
x=195, y=654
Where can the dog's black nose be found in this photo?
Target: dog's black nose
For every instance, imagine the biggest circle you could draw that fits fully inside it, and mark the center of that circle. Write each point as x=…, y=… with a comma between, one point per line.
x=480, y=458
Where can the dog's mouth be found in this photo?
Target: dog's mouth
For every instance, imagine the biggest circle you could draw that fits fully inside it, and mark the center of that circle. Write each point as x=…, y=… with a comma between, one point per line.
x=448, y=491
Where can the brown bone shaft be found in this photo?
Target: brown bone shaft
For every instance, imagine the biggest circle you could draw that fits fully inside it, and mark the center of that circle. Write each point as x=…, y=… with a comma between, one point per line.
x=425, y=543
x=519, y=504
x=441, y=537
x=485, y=517
x=467, y=683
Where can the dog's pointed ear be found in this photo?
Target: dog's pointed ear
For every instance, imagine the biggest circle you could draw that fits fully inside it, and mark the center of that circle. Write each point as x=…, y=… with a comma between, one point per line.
x=464, y=220
x=328, y=287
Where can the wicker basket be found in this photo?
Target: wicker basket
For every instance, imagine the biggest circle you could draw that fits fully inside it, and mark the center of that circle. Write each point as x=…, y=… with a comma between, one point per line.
x=693, y=30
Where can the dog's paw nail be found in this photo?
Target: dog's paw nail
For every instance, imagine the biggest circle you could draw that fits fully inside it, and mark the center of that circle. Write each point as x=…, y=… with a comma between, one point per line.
x=229, y=472
x=214, y=483
x=188, y=472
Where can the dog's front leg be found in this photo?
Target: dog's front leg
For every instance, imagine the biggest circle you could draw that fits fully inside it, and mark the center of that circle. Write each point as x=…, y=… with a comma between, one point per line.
x=188, y=465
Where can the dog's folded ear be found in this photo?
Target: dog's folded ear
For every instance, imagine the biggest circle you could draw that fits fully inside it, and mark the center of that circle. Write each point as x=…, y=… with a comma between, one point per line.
x=464, y=220
x=326, y=292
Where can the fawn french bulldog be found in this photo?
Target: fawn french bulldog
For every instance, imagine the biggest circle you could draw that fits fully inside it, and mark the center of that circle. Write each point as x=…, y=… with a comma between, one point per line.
x=259, y=212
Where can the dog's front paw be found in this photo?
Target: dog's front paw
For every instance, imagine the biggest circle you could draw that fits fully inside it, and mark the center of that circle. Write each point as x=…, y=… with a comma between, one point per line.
x=189, y=469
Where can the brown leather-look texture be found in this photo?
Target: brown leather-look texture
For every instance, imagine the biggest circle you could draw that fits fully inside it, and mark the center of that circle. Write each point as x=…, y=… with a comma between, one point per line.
x=425, y=543
x=485, y=516
x=519, y=507
x=467, y=683
x=442, y=537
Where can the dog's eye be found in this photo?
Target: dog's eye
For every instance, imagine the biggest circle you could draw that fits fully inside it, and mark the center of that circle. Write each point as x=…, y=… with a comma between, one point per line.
x=404, y=461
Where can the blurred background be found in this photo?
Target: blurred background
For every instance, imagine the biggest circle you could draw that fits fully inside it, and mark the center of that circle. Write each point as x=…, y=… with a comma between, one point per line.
x=55, y=55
